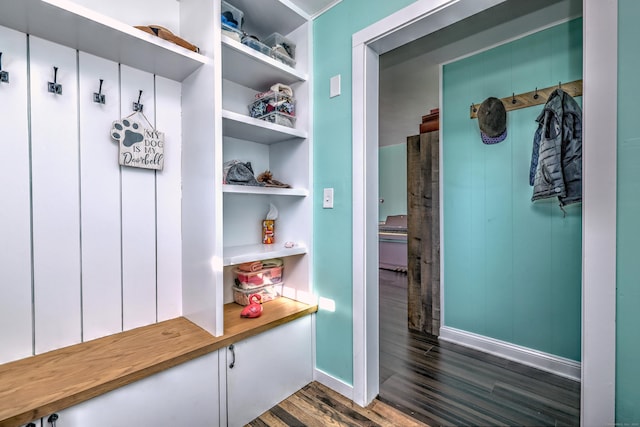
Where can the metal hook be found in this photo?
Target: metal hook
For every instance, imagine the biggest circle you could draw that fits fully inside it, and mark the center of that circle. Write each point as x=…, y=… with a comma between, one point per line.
x=513, y=97
x=559, y=85
x=535, y=95
x=136, y=105
x=98, y=96
x=54, y=86
x=4, y=76
x=52, y=419
x=473, y=108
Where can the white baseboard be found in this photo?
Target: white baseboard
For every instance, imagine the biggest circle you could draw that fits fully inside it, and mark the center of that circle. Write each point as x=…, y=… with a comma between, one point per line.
x=547, y=362
x=333, y=383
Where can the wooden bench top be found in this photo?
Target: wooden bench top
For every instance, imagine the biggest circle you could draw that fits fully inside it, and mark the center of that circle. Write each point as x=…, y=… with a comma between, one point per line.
x=37, y=386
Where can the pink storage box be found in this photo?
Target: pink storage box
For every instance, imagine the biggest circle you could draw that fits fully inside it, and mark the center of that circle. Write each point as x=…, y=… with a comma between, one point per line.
x=266, y=292
x=252, y=280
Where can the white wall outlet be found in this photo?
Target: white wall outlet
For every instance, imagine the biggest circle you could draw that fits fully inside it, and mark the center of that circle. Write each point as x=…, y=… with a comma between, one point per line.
x=327, y=198
x=334, y=86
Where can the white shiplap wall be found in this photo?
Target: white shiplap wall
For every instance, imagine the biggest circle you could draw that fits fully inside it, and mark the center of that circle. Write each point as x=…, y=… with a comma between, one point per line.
x=88, y=248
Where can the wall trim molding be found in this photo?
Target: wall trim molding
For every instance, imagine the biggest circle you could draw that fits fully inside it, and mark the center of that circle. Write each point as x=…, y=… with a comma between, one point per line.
x=333, y=383
x=557, y=365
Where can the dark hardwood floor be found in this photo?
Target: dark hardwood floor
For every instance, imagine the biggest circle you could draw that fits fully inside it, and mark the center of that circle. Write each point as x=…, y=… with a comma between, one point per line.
x=427, y=382
x=445, y=384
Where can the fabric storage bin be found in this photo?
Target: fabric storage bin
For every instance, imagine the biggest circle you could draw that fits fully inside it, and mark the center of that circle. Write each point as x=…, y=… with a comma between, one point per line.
x=280, y=119
x=255, y=44
x=279, y=43
x=266, y=292
x=231, y=16
x=271, y=101
x=255, y=279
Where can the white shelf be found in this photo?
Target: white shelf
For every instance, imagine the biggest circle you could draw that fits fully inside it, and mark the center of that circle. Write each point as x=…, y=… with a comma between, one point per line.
x=264, y=17
x=254, y=70
x=238, y=254
x=244, y=127
x=268, y=191
x=75, y=26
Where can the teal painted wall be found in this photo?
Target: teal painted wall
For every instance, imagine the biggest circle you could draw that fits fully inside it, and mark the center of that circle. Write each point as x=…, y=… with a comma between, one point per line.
x=392, y=180
x=628, y=212
x=332, y=246
x=512, y=268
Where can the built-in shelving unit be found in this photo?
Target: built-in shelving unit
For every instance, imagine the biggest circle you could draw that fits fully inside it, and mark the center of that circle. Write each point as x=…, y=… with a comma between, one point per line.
x=285, y=151
x=88, y=31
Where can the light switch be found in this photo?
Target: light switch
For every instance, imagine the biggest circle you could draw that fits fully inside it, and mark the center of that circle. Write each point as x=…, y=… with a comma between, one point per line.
x=327, y=198
x=334, y=86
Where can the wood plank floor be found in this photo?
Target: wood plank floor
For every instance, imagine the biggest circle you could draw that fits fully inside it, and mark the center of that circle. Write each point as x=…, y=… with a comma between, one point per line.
x=427, y=382
x=445, y=384
x=318, y=406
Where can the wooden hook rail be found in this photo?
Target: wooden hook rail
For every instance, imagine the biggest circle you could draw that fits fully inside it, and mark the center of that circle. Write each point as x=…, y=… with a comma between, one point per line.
x=529, y=99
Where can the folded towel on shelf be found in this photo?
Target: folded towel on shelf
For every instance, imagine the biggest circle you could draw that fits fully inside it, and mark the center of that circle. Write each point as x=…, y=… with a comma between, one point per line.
x=251, y=266
x=273, y=262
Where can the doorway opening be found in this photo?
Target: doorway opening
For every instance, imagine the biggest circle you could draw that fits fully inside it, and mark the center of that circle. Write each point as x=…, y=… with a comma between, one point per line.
x=384, y=37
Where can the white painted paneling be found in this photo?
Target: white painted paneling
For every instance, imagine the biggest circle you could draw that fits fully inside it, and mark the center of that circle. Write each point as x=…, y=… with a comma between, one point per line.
x=100, y=199
x=169, y=235
x=15, y=215
x=138, y=214
x=268, y=368
x=186, y=395
x=56, y=196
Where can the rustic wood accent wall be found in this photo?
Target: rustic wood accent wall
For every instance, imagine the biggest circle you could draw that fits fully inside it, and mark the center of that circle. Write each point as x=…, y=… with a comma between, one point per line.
x=423, y=229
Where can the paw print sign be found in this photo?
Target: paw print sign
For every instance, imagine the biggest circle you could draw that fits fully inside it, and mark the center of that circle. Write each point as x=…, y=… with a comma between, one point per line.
x=140, y=147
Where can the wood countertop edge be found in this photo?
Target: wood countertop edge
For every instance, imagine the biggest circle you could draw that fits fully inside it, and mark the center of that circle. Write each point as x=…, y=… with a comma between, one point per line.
x=208, y=345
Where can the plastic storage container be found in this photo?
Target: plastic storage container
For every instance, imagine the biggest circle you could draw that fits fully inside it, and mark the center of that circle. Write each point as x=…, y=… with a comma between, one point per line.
x=282, y=58
x=233, y=33
x=266, y=292
x=256, y=279
x=280, y=119
x=231, y=16
x=282, y=49
x=280, y=43
x=255, y=44
x=272, y=101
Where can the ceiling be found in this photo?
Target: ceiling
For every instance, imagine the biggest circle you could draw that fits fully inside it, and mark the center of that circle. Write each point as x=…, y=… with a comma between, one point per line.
x=314, y=8
x=507, y=20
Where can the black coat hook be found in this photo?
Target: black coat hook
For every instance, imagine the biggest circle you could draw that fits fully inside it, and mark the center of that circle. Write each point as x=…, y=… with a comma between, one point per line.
x=52, y=419
x=473, y=108
x=4, y=76
x=54, y=86
x=137, y=106
x=513, y=97
x=559, y=85
x=98, y=96
x=535, y=95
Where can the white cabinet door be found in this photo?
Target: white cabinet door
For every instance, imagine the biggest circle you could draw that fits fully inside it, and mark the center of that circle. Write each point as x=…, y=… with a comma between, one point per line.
x=186, y=395
x=267, y=368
